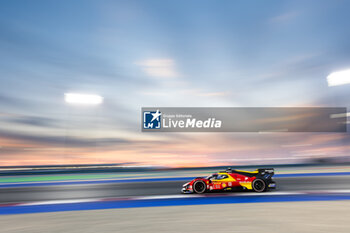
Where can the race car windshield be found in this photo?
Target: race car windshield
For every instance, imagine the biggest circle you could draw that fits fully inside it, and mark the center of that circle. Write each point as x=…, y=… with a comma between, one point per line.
x=212, y=177
x=220, y=177
x=216, y=177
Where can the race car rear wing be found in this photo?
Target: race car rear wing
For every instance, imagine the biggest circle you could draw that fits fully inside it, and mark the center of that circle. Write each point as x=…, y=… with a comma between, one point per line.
x=264, y=171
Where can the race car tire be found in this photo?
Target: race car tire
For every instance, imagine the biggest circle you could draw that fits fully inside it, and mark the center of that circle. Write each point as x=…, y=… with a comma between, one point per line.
x=199, y=186
x=259, y=185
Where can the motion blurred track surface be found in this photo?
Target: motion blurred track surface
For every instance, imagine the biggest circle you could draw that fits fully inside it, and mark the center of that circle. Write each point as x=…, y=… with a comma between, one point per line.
x=121, y=190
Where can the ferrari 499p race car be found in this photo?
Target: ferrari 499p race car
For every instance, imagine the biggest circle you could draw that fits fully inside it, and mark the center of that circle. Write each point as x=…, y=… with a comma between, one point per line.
x=259, y=180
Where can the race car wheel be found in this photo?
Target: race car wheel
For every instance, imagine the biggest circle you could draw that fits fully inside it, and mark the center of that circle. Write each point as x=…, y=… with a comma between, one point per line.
x=199, y=186
x=259, y=185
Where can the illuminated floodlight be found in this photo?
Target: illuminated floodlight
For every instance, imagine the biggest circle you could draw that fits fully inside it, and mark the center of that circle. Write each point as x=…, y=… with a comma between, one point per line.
x=340, y=115
x=339, y=78
x=75, y=98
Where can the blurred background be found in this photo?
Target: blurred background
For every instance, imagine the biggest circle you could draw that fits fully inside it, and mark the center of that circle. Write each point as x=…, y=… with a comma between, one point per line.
x=74, y=76
x=133, y=54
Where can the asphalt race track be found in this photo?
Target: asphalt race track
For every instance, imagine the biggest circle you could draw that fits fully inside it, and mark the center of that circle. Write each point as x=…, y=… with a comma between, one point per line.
x=121, y=190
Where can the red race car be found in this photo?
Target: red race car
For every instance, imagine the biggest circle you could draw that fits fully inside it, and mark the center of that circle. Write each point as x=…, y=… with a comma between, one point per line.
x=259, y=180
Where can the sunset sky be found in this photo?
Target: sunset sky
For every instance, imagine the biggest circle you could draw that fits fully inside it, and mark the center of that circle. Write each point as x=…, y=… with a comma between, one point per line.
x=169, y=54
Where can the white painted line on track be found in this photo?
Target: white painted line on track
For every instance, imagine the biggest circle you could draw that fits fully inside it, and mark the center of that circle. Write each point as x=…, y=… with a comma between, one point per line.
x=335, y=191
x=54, y=202
x=165, y=197
x=268, y=194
